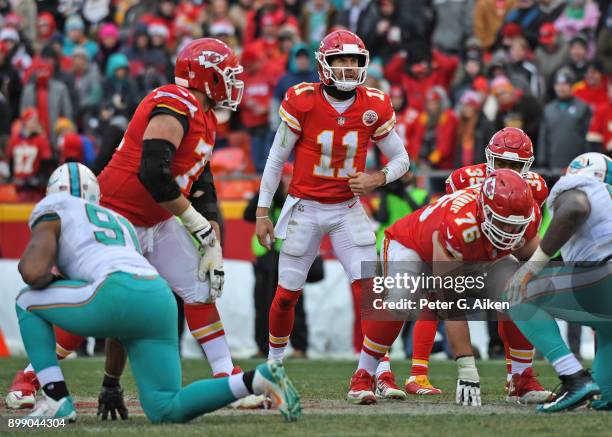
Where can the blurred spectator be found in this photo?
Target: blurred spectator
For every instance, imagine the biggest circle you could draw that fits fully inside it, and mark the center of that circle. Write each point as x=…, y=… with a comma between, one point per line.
x=30, y=157
x=109, y=43
x=255, y=105
x=600, y=131
x=269, y=47
x=604, y=42
x=17, y=53
x=376, y=78
x=474, y=131
x=299, y=70
x=435, y=134
x=488, y=18
x=73, y=147
x=76, y=37
x=578, y=59
x=454, y=24
x=88, y=84
x=269, y=10
x=315, y=21
x=48, y=95
x=406, y=118
x=551, y=9
x=111, y=125
x=515, y=109
x=117, y=86
x=140, y=52
x=164, y=15
x=418, y=68
x=471, y=68
x=45, y=29
x=594, y=88
x=5, y=123
x=564, y=126
x=360, y=17
x=388, y=32
x=528, y=16
x=23, y=18
x=579, y=16
x=521, y=71
x=149, y=79
x=551, y=53
x=10, y=83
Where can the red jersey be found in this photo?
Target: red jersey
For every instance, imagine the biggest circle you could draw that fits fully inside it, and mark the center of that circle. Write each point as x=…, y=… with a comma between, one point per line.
x=455, y=217
x=404, y=127
x=332, y=145
x=600, y=130
x=122, y=191
x=472, y=175
x=26, y=153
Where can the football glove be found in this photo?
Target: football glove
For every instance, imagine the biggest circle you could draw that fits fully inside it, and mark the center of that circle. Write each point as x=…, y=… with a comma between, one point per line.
x=468, y=393
x=111, y=400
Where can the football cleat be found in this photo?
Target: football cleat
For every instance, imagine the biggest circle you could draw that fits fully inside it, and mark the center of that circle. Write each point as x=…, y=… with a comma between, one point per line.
x=420, y=385
x=526, y=389
x=386, y=388
x=360, y=390
x=271, y=380
x=574, y=391
x=22, y=393
x=47, y=407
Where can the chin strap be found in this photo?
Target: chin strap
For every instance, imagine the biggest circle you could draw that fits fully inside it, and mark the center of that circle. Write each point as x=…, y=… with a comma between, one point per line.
x=339, y=94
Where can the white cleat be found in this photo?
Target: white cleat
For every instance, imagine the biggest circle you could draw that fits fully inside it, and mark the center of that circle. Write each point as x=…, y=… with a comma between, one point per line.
x=47, y=407
x=16, y=400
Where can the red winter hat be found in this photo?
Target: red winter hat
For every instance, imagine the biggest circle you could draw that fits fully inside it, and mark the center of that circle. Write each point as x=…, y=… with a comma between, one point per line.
x=511, y=30
x=72, y=147
x=547, y=34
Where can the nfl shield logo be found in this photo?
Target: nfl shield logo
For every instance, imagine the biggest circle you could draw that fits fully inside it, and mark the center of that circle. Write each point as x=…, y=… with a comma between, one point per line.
x=341, y=121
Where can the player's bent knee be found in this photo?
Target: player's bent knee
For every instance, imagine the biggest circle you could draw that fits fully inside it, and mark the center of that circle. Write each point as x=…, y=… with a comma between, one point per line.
x=291, y=279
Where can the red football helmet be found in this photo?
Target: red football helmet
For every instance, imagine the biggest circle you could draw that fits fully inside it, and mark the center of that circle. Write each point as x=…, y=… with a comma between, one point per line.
x=506, y=207
x=342, y=42
x=510, y=144
x=210, y=66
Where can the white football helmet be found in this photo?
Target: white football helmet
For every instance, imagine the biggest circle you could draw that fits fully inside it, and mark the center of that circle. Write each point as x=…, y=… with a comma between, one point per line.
x=76, y=179
x=592, y=164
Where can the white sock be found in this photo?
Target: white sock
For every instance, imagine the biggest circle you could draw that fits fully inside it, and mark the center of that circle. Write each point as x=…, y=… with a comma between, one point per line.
x=567, y=365
x=276, y=353
x=520, y=360
x=28, y=368
x=519, y=367
x=383, y=366
x=218, y=355
x=50, y=374
x=237, y=386
x=367, y=362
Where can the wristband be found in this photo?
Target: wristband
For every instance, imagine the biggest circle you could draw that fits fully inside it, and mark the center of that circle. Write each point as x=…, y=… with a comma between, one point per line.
x=539, y=256
x=193, y=220
x=264, y=217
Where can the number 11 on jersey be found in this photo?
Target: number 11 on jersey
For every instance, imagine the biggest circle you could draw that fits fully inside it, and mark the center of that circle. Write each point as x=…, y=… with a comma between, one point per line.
x=326, y=140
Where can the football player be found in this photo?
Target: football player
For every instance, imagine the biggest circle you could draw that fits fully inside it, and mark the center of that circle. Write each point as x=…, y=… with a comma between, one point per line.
x=509, y=148
x=119, y=294
x=161, y=171
x=328, y=126
x=581, y=228
x=481, y=223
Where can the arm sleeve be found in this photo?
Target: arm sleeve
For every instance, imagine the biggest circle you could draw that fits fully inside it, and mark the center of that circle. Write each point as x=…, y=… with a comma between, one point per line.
x=206, y=202
x=399, y=163
x=284, y=142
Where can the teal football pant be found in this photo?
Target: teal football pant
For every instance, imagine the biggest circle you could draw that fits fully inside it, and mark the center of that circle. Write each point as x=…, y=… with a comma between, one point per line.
x=580, y=295
x=139, y=311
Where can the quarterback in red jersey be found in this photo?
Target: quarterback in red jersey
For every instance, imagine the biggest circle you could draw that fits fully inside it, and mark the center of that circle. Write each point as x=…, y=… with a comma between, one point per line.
x=482, y=223
x=509, y=148
x=329, y=125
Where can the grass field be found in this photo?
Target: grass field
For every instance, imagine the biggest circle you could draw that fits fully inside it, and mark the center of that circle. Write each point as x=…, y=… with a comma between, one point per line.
x=322, y=385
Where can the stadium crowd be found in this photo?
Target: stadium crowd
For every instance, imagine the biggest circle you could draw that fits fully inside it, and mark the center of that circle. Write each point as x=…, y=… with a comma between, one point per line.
x=72, y=73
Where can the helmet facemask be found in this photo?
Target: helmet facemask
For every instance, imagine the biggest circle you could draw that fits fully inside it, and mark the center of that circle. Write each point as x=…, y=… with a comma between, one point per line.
x=337, y=75
x=500, y=238
x=233, y=87
x=507, y=156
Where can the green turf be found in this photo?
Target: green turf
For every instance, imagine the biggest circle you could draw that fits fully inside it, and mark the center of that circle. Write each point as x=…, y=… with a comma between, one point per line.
x=323, y=386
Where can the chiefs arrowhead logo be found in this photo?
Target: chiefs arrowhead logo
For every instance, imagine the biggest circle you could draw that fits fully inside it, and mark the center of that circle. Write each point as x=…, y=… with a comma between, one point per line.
x=209, y=58
x=488, y=188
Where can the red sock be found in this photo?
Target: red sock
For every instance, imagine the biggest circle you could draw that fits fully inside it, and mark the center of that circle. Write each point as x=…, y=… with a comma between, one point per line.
x=423, y=337
x=282, y=316
x=504, y=339
x=206, y=327
x=66, y=342
x=521, y=350
x=356, y=287
x=380, y=335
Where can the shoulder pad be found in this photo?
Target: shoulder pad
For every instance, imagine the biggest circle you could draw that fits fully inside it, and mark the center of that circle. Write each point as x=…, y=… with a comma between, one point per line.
x=302, y=96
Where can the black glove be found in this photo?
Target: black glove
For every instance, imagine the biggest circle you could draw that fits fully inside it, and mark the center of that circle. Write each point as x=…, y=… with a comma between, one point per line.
x=111, y=400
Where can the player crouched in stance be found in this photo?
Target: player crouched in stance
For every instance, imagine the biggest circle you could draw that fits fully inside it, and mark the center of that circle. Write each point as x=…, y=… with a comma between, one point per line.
x=581, y=228
x=118, y=295
x=329, y=124
x=482, y=223
x=510, y=148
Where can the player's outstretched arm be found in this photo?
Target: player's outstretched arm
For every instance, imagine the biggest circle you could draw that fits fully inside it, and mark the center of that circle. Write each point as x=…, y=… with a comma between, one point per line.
x=284, y=142
x=38, y=260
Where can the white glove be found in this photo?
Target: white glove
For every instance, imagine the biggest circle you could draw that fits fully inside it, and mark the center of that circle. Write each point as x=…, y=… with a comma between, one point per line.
x=517, y=286
x=211, y=262
x=468, y=383
x=468, y=393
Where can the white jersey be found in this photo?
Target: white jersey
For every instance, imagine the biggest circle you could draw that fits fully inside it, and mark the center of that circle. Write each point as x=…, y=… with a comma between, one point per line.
x=593, y=240
x=94, y=241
